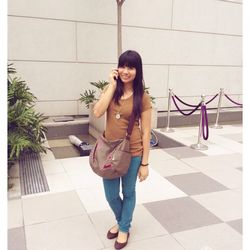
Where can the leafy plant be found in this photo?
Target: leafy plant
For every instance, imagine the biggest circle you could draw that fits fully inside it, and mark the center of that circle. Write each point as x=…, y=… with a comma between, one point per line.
x=100, y=84
x=25, y=128
x=88, y=96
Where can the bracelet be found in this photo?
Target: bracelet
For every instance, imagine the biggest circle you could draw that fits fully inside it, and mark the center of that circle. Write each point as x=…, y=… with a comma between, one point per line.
x=144, y=165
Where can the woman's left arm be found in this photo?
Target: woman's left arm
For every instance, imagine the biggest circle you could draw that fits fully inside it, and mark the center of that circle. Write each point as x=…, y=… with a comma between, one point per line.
x=145, y=129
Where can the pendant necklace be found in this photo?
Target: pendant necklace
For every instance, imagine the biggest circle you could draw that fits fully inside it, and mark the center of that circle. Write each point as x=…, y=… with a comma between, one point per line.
x=117, y=115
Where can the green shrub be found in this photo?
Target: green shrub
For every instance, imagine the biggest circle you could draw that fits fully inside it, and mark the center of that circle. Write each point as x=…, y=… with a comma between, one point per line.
x=25, y=128
x=88, y=96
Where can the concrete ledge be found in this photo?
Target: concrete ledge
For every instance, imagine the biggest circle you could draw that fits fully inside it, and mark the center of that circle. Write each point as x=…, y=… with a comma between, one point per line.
x=62, y=131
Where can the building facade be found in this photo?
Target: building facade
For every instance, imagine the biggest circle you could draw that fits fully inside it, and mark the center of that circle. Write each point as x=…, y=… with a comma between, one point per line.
x=192, y=46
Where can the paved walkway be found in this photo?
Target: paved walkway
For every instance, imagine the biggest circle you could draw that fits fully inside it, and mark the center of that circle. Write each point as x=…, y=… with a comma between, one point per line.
x=191, y=201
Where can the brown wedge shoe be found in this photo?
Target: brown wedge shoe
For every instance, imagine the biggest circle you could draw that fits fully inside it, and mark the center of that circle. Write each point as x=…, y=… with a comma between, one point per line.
x=111, y=236
x=119, y=245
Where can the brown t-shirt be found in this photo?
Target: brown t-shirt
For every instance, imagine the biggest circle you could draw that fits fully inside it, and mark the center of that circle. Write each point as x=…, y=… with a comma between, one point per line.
x=116, y=128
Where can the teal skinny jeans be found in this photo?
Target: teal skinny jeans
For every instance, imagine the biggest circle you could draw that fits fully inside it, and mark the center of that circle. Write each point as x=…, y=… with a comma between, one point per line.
x=123, y=208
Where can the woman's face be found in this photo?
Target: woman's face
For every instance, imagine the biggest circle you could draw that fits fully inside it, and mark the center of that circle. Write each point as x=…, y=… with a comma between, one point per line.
x=127, y=74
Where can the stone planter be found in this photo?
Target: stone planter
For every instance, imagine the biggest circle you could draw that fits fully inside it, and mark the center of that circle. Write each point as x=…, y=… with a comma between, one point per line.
x=97, y=125
x=154, y=117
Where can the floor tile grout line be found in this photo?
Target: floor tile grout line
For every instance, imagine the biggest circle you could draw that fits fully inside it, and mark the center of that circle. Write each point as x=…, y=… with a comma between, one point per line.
x=56, y=220
x=178, y=242
x=23, y=220
x=97, y=233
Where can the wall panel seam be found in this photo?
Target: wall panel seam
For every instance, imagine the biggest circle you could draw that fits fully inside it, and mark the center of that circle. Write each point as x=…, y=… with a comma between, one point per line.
x=134, y=26
x=228, y=1
x=63, y=20
x=109, y=63
x=168, y=80
x=172, y=14
x=76, y=41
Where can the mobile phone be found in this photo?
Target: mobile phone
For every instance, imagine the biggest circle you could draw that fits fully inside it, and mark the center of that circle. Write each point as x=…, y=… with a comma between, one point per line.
x=116, y=77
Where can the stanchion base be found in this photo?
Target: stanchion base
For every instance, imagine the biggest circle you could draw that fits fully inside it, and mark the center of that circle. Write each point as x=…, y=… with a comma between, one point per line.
x=199, y=146
x=217, y=126
x=167, y=130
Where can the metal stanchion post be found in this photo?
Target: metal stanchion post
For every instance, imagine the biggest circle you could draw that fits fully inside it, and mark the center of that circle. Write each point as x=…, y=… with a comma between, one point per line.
x=199, y=145
x=168, y=129
x=216, y=125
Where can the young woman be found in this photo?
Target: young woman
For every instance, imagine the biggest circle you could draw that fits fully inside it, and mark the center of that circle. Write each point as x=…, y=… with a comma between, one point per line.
x=124, y=95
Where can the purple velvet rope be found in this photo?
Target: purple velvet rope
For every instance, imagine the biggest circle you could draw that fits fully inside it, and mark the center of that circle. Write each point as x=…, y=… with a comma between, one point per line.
x=193, y=105
x=232, y=100
x=212, y=99
x=182, y=111
x=183, y=101
x=204, y=122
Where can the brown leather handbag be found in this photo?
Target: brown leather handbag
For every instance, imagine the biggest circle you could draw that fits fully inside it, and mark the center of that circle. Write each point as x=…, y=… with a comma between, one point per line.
x=111, y=159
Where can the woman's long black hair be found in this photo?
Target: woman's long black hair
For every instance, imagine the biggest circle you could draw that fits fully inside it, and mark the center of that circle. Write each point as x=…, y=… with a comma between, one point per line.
x=131, y=58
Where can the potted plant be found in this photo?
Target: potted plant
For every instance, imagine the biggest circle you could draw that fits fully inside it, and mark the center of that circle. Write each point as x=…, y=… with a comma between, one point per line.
x=97, y=125
x=25, y=128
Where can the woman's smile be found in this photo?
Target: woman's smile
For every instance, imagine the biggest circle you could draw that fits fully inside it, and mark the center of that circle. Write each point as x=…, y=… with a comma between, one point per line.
x=127, y=74
x=125, y=77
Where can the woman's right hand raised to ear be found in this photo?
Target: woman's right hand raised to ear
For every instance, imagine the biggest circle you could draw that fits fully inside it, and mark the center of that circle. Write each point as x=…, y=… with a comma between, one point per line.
x=107, y=94
x=113, y=77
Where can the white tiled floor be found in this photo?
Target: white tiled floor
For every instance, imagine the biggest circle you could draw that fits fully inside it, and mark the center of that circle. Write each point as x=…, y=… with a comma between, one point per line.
x=221, y=145
x=226, y=205
x=74, y=214
x=157, y=188
x=213, y=162
x=59, y=182
x=53, y=167
x=76, y=233
x=157, y=157
x=214, y=237
x=217, y=150
x=227, y=143
x=93, y=199
x=144, y=225
x=54, y=206
x=172, y=167
x=229, y=177
x=159, y=243
x=15, y=213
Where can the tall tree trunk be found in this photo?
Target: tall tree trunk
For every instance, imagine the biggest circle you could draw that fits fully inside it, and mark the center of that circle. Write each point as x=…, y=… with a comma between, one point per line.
x=119, y=27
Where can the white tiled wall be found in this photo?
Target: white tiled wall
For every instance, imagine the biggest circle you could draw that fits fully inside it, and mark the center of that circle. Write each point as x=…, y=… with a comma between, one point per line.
x=174, y=47
x=100, y=11
x=204, y=80
x=207, y=16
x=39, y=39
x=156, y=78
x=148, y=13
x=96, y=43
x=57, y=107
x=59, y=46
x=234, y=1
x=71, y=78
